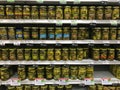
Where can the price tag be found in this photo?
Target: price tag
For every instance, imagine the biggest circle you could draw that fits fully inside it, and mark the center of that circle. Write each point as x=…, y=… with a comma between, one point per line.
x=89, y=81
x=63, y=2
x=10, y=0
x=15, y=82
x=2, y=43
x=39, y=81
x=40, y=1
x=63, y=81
x=76, y=1
x=59, y=22
x=114, y=22
x=106, y=81
x=74, y=22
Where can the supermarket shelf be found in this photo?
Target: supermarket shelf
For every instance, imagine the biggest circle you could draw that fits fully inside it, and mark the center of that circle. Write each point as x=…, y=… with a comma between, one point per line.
x=61, y=0
x=99, y=75
x=76, y=62
x=57, y=22
x=17, y=42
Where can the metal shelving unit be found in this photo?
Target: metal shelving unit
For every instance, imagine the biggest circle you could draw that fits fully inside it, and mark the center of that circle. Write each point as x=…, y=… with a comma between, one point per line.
x=99, y=76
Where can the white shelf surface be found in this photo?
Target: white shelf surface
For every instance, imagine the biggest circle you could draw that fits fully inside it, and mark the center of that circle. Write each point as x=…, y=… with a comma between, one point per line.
x=58, y=22
x=67, y=0
x=17, y=42
x=98, y=76
x=61, y=62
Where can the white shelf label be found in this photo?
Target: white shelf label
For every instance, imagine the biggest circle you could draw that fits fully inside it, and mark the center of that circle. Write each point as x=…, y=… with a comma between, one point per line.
x=16, y=43
x=114, y=22
x=76, y=1
x=39, y=81
x=74, y=22
x=10, y=0
x=15, y=82
x=40, y=1
x=106, y=81
x=63, y=81
x=63, y=2
x=89, y=81
x=59, y=22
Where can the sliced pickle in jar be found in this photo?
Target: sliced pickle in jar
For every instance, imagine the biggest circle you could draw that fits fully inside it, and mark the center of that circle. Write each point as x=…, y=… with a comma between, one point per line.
x=105, y=33
x=80, y=54
x=21, y=72
x=57, y=72
x=57, y=54
x=67, y=12
x=100, y=13
x=91, y=15
x=2, y=12
x=50, y=54
x=34, y=12
x=18, y=12
x=96, y=33
x=3, y=33
x=96, y=53
x=116, y=13
x=43, y=12
x=65, y=54
x=108, y=12
x=73, y=54
x=9, y=12
x=43, y=33
x=26, y=12
x=111, y=53
x=35, y=54
x=43, y=53
x=49, y=72
x=27, y=54
x=12, y=54
x=83, y=13
x=74, y=32
x=75, y=12
x=59, y=12
x=113, y=33
x=11, y=33
x=26, y=33
x=51, y=12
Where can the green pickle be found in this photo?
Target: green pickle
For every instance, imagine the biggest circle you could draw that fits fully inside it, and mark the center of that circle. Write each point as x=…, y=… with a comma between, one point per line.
x=19, y=87
x=11, y=88
x=51, y=87
x=51, y=33
x=50, y=54
x=26, y=33
x=96, y=33
x=57, y=72
x=82, y=33
x=65, y=72
x=57, y=54
x=89, y=71
x=116, y=12
x=43, y=33
x=11, y=33
x=31, y=73
x=45, y=87
x=27, y=54
x=74, y=33
x=43, y=54
x=113, y=33
x=40, y=72
x=66, y=34
x=21, y=72
x=59, y=12
x=67, y=12
x=105, y=33
x=5, y=54
x=99, y=13
x=80, y=54
x=18, y=12
x=51, y=12
x=34, y=12
x=49, y=72
x=26, y=12
x=43, y=12
x=2, y=11
x=3, y=33
x=58, y=34
x=60, y=87
x=91, y=15
x=65, y=54
x=20, y=54
x=96, y=53
x=111, y=54
x=81, y=72
x=27, y=87
x=35, y=33
x=103, y=53
x=73, y=72
x=35, y=54
x=118, y=53
x=108, y=12
x=83, y=13
x=9, y=12
x=35, y=88
x=12, y=54
x=68, y=87
x=73, y=53
x=75, y=12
